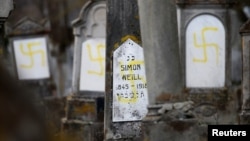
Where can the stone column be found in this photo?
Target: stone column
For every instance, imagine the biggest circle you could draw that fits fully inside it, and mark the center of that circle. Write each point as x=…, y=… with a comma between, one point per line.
x=160, y=41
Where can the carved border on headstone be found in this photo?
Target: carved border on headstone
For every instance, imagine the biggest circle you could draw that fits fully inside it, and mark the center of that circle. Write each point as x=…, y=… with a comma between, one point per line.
x=81, y=33
x=189, y=13
x=81, y=22
x=28, y=26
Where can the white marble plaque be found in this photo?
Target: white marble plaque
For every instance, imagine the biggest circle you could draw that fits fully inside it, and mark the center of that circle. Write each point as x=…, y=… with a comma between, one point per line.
x=205, y=53
x=92, y=75
x=31, y=58
x=130, y=98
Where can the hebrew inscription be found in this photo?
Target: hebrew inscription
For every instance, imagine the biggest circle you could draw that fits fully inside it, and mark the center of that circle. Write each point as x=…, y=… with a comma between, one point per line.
x=130, y=96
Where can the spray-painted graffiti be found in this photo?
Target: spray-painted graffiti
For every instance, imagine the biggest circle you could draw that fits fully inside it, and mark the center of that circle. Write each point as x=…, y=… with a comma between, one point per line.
x=31, y=58
x=30, y=53
x=92, y=74
x=204, y=45
x=205, y=53
x=99, y=59
x=129, y=83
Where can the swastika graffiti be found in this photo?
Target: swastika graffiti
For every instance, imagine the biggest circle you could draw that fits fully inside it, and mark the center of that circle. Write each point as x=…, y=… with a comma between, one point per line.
x=204, y=45
x=99, y=59
x=205, y=52
x=92, y=71
x=31, y=58
x=31, y=52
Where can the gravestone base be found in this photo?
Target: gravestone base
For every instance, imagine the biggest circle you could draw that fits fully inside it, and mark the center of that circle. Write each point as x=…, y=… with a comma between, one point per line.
x=80, y=130
x=80, y=108
x=81, y=120
x=245, y=117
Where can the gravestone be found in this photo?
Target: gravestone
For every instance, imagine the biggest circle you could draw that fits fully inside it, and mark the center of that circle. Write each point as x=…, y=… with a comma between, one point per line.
x=189, y=111
x=85, y=104
x=130, y=97
x=89, y=51
x=29, y=48
x=204, y=44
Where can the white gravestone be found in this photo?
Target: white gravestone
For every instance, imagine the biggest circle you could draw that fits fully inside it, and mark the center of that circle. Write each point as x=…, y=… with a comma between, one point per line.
x=31, y=58
x=205, y=53
x=92, y=73
x=130, y=98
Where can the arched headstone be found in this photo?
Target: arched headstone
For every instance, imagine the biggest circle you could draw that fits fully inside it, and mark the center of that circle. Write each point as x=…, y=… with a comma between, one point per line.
x=205, y=52
x=86, y=104
x=204, y=44
x=89, y=49
x=30, y=46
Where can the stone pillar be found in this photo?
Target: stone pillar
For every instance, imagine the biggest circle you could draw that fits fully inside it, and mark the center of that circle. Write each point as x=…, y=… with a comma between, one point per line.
x=126, y=95
x=160, y=42
x=245, y=38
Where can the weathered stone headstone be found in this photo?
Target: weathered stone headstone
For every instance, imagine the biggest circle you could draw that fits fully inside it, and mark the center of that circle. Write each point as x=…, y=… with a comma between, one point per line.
x=30, y=47
x=182, y=112
x=204, y=44
x=130, y=98
x=85, y=104
x=89, y=50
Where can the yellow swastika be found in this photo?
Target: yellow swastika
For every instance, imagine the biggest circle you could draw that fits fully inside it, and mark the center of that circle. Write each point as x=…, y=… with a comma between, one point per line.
x=132, y=82
x=30, y=53
x=204, y=45
x=99, y=59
